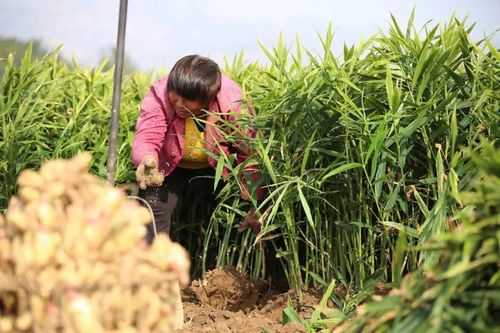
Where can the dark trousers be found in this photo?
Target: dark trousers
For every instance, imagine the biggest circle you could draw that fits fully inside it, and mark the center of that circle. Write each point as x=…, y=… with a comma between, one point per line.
x=186, y=197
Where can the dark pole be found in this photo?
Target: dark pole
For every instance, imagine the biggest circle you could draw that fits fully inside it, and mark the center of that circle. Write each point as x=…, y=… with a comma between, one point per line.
x=117, y=89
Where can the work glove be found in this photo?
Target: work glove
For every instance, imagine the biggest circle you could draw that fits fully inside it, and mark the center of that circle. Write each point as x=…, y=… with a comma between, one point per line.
x=148, y=174
x=251, y=221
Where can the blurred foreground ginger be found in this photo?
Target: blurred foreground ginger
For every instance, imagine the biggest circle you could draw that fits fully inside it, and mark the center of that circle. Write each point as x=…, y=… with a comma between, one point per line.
x=73, y=258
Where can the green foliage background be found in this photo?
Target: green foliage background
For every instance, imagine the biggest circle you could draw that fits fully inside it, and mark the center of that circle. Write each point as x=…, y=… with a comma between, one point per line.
x=362, y=154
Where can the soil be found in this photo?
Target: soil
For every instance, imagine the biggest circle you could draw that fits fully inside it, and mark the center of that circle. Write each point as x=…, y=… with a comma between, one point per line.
x=227, y=301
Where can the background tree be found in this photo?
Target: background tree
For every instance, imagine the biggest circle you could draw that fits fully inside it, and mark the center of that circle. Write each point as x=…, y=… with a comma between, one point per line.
x=17, y=47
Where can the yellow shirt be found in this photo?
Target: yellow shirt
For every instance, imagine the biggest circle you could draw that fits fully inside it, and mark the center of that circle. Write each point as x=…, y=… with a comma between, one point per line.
x=195, y=156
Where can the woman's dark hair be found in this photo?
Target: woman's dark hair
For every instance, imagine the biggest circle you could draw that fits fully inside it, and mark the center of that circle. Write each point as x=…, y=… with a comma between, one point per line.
x=195, y=78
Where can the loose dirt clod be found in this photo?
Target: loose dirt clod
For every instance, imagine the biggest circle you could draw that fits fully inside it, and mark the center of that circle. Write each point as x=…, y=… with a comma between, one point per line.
x=227, y=301
x=228, y=289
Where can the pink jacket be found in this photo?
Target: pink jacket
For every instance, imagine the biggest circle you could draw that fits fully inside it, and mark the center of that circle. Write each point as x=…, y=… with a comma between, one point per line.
x=161, y=133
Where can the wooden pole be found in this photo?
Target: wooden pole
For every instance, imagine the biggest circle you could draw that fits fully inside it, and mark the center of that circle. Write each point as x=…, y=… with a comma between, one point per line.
x=117, y=89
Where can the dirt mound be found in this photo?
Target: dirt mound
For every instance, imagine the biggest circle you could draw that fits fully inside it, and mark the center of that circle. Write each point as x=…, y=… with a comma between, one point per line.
x=227, y=301
x=228, y=289
x=203, y=319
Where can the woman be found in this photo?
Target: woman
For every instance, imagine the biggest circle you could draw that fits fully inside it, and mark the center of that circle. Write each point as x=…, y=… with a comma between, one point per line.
x=178, y=138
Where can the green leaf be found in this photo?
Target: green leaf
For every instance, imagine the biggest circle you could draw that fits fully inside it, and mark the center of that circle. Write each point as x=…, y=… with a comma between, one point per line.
x=392, y=199
x=421, y=204
x=306, y=207
x=218, y=170
x=453, y=181
x=398, y=258
x=453, y=130
x=290, y=315
x=464, y=266
x=440, y=172
x=265, y=157
x=306, y=152
x=340, y=169
x=380, y=179
x=413, y=126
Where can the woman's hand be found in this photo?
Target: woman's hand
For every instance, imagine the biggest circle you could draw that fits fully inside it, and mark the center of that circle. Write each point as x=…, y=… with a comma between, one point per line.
x=148, y=174
x=213, y=135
